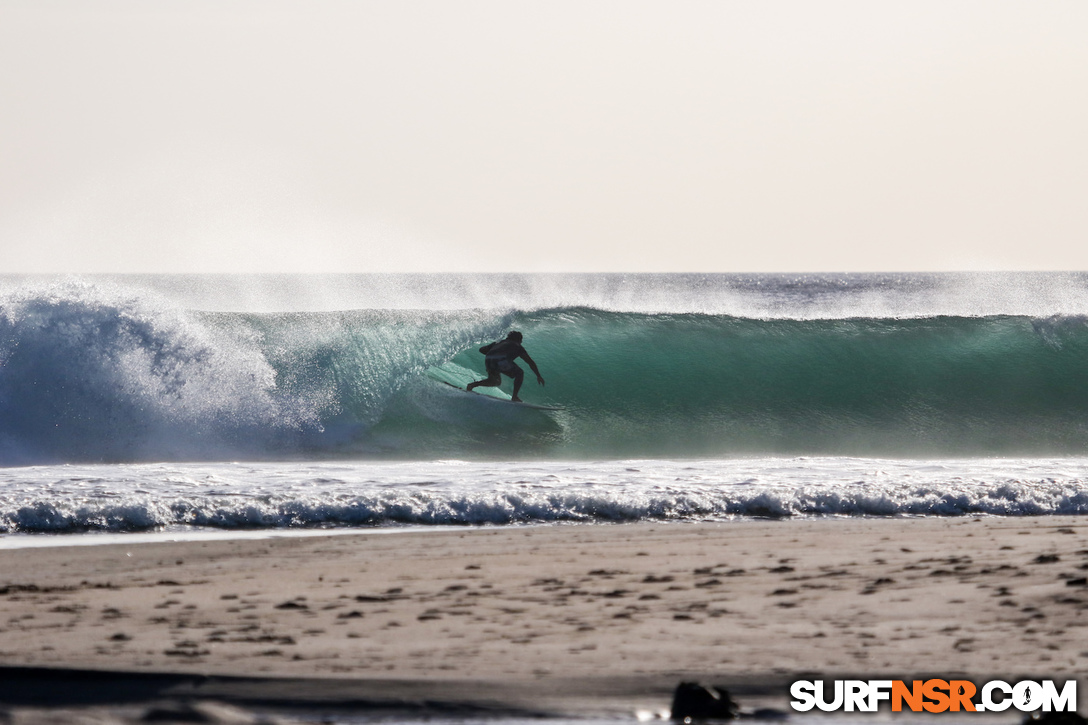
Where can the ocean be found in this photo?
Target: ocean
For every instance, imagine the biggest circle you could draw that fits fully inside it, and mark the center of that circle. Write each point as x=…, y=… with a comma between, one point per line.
x=173, y=404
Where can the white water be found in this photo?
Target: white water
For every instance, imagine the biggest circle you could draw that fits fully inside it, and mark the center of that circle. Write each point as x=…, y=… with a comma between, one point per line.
x=285, y=496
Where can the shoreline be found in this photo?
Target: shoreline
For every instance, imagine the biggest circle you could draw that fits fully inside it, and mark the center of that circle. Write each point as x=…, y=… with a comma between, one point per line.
x=194, y=534
x=13, y=542
x=561, y=617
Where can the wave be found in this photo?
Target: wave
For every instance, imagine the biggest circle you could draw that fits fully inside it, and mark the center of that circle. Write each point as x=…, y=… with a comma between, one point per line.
x=127, y=498
x=92, y=372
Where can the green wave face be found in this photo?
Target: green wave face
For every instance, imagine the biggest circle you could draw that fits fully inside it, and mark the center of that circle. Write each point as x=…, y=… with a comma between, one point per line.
x=699, y=385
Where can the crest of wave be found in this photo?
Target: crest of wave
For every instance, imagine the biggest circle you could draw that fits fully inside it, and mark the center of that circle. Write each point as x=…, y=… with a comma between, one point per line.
x=91, y=372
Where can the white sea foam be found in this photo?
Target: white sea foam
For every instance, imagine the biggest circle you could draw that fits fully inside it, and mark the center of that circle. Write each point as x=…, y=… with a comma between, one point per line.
x=65, y=499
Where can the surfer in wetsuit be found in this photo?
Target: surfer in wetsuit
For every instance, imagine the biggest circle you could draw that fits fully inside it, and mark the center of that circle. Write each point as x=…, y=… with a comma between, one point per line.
x=499, y=360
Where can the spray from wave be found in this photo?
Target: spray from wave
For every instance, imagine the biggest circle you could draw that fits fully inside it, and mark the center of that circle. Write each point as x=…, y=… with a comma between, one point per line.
x=90, y=374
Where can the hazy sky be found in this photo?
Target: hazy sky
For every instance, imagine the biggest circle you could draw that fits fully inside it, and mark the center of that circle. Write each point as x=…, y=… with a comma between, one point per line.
x=543, y=136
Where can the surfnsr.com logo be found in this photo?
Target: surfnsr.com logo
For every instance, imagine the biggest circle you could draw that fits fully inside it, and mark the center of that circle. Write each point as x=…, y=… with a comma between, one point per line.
x=933, y=695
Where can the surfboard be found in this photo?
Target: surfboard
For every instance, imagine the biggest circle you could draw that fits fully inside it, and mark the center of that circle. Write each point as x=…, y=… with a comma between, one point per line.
x=519, y=403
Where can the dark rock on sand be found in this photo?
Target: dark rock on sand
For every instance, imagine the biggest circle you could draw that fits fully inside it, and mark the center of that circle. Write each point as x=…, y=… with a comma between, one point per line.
x=692, y=701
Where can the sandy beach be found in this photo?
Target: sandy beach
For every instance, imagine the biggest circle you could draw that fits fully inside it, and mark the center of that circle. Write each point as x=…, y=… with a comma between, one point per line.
x=564, y=618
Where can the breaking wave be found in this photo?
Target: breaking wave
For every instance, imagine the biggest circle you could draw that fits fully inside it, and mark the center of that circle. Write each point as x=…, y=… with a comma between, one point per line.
x=142, y=497
x=100, y=373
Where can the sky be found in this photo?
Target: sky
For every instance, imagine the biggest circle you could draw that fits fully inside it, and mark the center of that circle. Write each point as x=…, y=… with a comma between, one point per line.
x=514, y=136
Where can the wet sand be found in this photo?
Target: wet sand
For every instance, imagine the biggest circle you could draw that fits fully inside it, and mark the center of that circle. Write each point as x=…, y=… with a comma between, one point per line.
x=609, y=617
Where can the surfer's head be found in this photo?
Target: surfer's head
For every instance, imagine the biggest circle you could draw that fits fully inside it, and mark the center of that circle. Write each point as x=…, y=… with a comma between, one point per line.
x=514, y=335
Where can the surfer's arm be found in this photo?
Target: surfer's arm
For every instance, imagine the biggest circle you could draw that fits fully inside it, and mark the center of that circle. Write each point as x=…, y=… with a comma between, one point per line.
x=532, y=365
x=487, y=348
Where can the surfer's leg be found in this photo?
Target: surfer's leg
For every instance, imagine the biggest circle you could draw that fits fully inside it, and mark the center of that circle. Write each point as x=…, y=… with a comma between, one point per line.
x=518, y=375
x=493, y=378
x=491, y=381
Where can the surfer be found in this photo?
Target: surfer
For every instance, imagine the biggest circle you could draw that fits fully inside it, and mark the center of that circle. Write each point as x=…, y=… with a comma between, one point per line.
x=499, y=360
